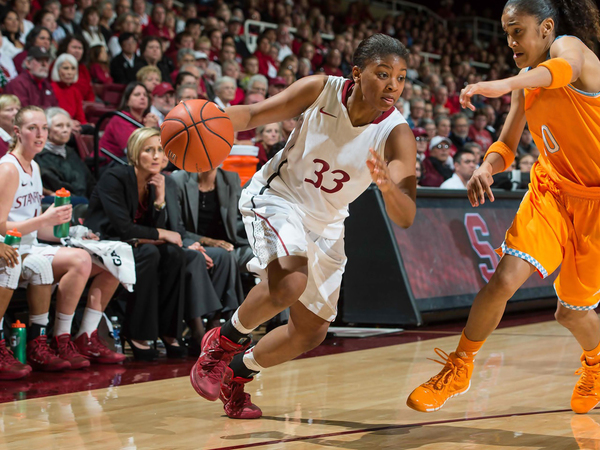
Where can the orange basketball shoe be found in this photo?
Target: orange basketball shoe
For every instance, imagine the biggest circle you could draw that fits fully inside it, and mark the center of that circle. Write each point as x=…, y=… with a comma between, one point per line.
x=236, y=402
x=586, y=394
x=454, y=379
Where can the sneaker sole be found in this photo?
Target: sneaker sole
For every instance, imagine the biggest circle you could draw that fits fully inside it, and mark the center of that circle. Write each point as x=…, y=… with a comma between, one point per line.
x=411, y=405
x=194, y=379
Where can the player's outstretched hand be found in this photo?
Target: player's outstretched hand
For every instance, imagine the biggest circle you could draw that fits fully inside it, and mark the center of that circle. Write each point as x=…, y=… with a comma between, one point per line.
x=490, y=89
x=480, y=184
x=380, y=173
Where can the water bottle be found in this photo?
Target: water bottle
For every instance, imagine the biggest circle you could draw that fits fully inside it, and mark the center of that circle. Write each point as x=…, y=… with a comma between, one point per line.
x=18, y=341
x=13, y=238
x=114, y=320
x=62, y=197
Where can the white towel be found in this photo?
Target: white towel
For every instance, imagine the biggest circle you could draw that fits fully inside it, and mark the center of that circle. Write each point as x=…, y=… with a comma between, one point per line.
x=114, y=256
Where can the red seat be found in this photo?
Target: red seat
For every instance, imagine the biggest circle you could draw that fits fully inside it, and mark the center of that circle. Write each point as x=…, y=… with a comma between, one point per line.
x=93, y=112
x=112, y=93
x=85, y=145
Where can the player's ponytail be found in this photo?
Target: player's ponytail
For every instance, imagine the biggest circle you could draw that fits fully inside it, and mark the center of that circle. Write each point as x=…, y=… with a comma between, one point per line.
x=578, y=18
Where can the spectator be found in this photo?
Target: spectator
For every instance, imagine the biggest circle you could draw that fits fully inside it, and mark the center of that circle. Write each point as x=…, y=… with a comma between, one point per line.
x=422, y=142
x=125, y=23
x=189, y=11
x=129, y=202
x=235, y=27
x=23, y=8
x=477, y=151
x=9, y=106
x=186, y=92
x=66, y=20
x=267, y=136
x=418, y=171
x=430, y=128
x=135, y=104
x=139, y=7
x=77, y=46
x=8, y=71
x=32, y=86
x=232, y=69
x=248, y=136
x=38, y=37
x=287, y=126
x=163, y=101
x=125, y=65
x=250, y=66
x=157, y=27
x=107, y=17
x=71, y=267
x=11, y=30
x=490, y=114
x=64, y=77
x=216, y=42
x=526, y=145
x=152, y=55
x=122, y=7
x=526, y=162
x=478, y=132
x=441, y=98
x=208, y=206
x=428, y=114
x=442, y=124
x=225, y=91
x=464, y=166
x=266, y=64
x=149, y=76
x=257, y=84
x=184, y=56
x=284, y=40
x=99, y=68
x=435, y=169
x=333, y=60
x=60, y=165
x=417, y=110
x=90, y=29
x=459, y=134
x=205, y=88
x=276, y=85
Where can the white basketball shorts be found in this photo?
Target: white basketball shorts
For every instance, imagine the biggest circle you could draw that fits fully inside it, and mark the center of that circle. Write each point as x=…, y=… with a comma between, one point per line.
x=275, y=229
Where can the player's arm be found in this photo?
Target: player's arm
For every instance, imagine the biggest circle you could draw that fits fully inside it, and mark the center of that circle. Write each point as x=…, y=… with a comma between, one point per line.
x=289, y=103
x=397, y=180
x=564, y=67
x=494, y=161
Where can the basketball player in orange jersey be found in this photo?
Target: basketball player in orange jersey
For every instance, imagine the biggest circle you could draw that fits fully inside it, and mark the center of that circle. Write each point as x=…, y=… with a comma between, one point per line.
x=558, y=93
x=348, y=136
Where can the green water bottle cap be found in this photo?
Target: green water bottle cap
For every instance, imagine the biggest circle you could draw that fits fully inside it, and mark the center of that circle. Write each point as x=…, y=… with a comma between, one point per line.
x=62, y=192
x=18, y=324
x=13, y=233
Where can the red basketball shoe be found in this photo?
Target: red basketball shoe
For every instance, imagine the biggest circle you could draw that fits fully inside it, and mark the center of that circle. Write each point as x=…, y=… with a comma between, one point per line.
x=236, y=402
x=10, y=368
x=66, y=350
x=41, y=357
x=94, y=349
x=208, y=372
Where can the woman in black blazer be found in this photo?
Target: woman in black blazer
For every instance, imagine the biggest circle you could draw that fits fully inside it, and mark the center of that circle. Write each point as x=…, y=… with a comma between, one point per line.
x=129, y=203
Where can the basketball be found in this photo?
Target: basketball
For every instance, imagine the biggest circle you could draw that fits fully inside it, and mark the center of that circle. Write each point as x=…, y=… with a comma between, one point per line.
x=196, y=135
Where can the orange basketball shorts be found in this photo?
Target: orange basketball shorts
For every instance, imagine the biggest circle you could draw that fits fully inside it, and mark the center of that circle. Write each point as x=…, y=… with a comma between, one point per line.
x=559, y=223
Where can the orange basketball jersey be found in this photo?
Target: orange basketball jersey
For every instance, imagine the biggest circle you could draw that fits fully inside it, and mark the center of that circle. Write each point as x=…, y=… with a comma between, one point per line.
x=565, y=125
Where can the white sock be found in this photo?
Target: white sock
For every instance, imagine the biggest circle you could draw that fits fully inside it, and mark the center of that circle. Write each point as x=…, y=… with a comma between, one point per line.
x=91, y=319
x=62, y=323
x=235, y=321
x=39, y=319
x=250, y=362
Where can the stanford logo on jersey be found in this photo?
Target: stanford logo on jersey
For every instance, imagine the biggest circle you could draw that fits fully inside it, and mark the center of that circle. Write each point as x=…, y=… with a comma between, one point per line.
x=29, y=199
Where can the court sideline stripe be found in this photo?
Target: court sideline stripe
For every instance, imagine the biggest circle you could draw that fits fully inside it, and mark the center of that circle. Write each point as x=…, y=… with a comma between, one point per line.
x=387, y=427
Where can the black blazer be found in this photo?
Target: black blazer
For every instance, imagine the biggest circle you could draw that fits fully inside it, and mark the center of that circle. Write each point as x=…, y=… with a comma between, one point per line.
x=228, y=191
x=114, y=202
x=122, y=72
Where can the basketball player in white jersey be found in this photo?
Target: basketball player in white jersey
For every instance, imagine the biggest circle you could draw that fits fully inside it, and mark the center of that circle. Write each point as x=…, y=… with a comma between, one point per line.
x=20, y=208
x=349, y=135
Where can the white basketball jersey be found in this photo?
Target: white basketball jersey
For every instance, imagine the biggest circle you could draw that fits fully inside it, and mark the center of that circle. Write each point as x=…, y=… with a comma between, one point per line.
x=322, y=168
x=28, y=199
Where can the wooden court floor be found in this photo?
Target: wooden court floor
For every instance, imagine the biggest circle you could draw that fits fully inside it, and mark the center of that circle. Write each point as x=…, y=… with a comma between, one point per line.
x=519, y=399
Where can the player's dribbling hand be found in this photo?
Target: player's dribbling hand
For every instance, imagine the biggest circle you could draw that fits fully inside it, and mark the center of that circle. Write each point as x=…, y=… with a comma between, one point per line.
x=480, y=184
x=9, y=254
x=379, y=171
x=490, y=89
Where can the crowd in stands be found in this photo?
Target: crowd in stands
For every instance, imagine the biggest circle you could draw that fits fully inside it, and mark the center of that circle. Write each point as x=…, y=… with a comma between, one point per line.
x=77, y=59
